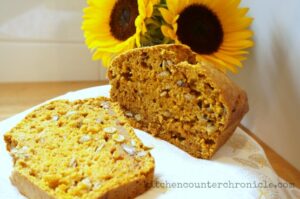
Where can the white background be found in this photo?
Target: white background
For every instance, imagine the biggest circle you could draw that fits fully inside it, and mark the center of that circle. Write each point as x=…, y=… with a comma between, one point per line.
x=41, y=40
x=271, y=76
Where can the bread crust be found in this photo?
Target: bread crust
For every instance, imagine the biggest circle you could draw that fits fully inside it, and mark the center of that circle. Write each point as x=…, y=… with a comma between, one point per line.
x=234, y=98
x=131, y=189
x=27, y=188
x=126, y=191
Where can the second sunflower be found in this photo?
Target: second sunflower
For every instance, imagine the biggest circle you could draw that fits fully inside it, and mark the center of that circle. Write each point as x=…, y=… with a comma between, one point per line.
x=215, y=29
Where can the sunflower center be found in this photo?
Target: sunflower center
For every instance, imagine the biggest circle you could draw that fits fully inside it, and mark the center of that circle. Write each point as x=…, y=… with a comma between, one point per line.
x=200, y=28
x=122, y=19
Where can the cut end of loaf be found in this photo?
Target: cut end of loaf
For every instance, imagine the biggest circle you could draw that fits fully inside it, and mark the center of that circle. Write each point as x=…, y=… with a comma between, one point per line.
x=166, y=93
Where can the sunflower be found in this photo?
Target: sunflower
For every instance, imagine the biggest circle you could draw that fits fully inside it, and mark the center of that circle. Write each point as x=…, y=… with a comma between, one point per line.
x=113, y=26
x=215, y=29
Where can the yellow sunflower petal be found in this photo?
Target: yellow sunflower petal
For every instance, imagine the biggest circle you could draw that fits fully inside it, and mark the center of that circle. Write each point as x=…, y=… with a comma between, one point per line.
x=107, y=43
x=173, y=5
x=246, y=22
x=233, y=36
x=228, y=59
x=233, y=53
x=174, y=24
x=155, y=1
x=104, y=56
x=149, y=9
x=107, y=59
x=241, y=58
x=97, y=55
x=220, y=64
x=165, y=30
x=140, y=25
x=239, y=44
x=101, y=4
x=120, y=47
x=168, y=17
x=168, y=32
x=142, y=8
x=242, y=11
x=138, y=37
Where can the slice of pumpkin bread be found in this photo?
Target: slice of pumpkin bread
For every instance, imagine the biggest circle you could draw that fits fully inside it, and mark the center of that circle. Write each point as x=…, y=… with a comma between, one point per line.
x=164, y=91
x=80, y=149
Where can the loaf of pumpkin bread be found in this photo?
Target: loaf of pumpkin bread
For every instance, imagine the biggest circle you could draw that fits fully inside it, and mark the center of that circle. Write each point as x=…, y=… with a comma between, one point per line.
x=164, y=91
x=81, y=149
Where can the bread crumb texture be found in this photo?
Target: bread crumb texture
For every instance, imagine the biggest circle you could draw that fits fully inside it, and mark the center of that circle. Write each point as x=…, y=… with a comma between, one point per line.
x=164, y=91
x=80, y=149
